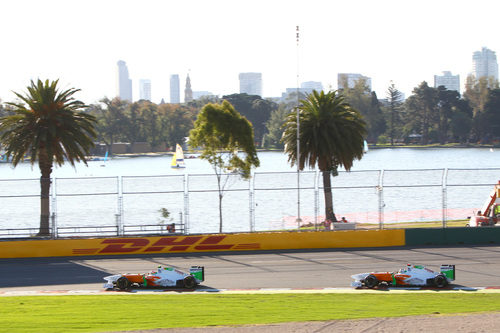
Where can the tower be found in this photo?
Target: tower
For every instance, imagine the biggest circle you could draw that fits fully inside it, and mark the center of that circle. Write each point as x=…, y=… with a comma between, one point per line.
x=484, y=64
x=251, y=83
x=449, y=81
x=175, y=91
x=145, y=89
x=188, y=93
x=124, y=82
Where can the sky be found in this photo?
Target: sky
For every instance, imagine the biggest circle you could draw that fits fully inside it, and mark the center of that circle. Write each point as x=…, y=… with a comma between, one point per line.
x=80, y=41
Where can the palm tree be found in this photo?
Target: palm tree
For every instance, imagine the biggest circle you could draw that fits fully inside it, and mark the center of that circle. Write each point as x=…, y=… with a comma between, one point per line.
x=47, y=126
x=331, y=135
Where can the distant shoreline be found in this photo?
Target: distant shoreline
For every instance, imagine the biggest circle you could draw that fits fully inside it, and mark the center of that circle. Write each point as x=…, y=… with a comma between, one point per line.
x=169, y=153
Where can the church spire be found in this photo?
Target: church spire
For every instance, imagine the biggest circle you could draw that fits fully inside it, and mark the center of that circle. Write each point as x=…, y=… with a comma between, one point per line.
x=188, y=93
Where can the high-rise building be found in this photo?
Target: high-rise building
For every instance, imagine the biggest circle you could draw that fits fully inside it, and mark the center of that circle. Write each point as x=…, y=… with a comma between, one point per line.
x=145, y=89
x=484, y=64
x=200, y=94
x=188, y=92
x=251, y=83
x=351, y=79
x=124, y=82
x=175, y=90
x=449, y=81
x=309, y=86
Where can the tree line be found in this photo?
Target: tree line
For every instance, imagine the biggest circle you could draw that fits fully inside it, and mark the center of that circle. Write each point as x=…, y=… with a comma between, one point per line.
x=428, y=116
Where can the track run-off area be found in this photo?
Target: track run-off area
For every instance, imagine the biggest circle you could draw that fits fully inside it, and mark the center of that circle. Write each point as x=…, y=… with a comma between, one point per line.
x=286, y=271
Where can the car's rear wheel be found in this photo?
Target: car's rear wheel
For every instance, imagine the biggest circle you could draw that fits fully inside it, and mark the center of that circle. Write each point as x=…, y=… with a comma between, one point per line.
x=123, y=283
x=371, y=281
x=440, y=281
x=189, y=282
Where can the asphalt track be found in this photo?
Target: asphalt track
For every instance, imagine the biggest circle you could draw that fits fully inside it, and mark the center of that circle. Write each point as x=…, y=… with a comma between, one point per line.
x=476, y=266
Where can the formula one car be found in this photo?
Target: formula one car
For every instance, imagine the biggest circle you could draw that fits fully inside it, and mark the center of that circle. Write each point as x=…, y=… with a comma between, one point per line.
x=162, y=277
x=411, y=275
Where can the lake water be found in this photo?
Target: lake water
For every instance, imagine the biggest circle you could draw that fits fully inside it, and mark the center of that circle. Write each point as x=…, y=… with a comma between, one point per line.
x=136, y=188
x=375, y=159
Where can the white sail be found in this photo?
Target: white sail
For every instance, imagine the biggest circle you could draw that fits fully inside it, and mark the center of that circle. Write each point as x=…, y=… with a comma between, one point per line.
x=178, y=158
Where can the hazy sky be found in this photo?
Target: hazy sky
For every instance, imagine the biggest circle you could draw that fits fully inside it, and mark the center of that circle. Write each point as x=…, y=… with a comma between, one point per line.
x=80, y=41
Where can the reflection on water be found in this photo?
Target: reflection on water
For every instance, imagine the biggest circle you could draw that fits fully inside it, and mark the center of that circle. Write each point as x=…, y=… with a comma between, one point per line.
x=131, y=187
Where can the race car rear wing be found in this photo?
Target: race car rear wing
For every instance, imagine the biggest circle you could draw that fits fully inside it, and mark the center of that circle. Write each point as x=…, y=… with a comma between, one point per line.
x=198, y=272
x=448, y=271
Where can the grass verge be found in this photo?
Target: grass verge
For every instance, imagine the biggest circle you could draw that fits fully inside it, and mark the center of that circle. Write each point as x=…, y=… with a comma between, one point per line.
x=134, y=312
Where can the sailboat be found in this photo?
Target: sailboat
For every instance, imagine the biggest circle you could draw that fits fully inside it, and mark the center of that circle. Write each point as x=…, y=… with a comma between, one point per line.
x=178, y=158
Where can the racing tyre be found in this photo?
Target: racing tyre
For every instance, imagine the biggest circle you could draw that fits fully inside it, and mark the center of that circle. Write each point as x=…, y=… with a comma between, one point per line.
x=122, y=283
x=189, y=282
x=371, y=281
x=440, y=281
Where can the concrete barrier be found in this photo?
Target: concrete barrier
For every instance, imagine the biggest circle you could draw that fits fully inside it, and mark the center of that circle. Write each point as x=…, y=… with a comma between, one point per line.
x=453, y=236
x=202, y=243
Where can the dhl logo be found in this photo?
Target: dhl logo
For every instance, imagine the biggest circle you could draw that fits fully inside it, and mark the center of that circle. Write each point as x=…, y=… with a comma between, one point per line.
x=165, y=244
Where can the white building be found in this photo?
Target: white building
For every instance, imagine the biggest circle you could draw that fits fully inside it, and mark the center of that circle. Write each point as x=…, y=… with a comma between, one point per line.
x=145, y=89
x=351, y=79
x=448, y=80
x=175, y=90
x=309, y=86
x=199, y=94
x=251, y=83
x=124, y=82
x=484, y=64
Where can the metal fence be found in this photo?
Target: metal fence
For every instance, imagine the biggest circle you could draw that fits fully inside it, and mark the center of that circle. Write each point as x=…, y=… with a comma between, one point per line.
x=130, y=205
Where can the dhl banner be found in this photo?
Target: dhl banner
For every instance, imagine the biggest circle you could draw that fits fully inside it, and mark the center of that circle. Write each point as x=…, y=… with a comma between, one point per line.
x=202, y=243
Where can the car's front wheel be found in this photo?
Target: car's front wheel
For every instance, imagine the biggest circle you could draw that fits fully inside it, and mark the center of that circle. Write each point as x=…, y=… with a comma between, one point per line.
x=371, y=281
x=189, y=282
x=123, y=283
x=440, y=281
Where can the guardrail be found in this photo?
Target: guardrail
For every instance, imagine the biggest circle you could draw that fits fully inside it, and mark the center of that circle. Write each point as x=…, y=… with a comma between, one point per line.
x=97, y=231
x=131, y=205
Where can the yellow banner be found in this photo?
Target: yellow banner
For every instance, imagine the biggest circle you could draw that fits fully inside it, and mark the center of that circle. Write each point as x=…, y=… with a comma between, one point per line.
x=202, y=243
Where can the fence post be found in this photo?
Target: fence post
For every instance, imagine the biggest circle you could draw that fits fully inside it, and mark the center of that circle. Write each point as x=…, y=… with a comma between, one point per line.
x=186, y=203
x=54, y=209
x=251, y=203
x=119, y=214
x=316, y=200
x=444, y=196
x=381, y=204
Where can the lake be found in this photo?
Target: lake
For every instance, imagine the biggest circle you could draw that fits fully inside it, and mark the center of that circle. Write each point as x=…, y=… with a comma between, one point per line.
x=132, y=190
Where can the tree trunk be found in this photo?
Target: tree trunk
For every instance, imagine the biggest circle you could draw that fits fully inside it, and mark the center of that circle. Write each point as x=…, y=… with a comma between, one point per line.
x=46, y=169
x=327, y=187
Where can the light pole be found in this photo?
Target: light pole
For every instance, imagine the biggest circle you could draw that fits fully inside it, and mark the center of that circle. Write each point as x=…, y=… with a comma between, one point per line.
x=298, y=132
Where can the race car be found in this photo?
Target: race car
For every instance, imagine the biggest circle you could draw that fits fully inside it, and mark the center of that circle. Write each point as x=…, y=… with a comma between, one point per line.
x=162, y=277
x=411, y=275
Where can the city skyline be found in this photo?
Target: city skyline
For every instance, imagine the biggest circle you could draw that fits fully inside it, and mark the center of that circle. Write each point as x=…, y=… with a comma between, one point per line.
x=214, y=41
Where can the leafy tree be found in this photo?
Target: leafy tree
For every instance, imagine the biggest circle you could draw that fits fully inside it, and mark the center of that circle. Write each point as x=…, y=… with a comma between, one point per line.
x=447, y=99
x=489, y=119
x=476, y=91
x=149, y=123
x=112, y=122
x=272, y=139
x=176, y=120
x=49, y=126
x=255, y=109
x=421, y=110
x=461, y=122
x=365, y=102
x=221, y=131
x=394, y=101
x=331, y=135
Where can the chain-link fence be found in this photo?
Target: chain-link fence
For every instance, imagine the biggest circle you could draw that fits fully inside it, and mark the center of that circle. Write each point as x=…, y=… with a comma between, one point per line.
x=105, y=206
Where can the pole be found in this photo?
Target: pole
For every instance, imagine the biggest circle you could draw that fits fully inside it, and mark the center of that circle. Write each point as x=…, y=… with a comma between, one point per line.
x=298, y=138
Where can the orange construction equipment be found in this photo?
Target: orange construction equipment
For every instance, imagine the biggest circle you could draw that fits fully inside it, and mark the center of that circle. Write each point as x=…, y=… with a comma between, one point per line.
x=490, y=212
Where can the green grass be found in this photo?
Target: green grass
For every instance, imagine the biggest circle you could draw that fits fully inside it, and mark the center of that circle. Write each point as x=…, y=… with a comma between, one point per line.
x=134, y=312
